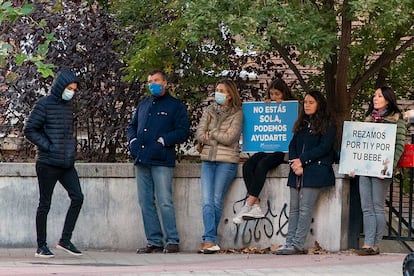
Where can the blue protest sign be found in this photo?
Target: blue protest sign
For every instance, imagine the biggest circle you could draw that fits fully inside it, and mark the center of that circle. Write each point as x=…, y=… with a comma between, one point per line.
x=268, y=127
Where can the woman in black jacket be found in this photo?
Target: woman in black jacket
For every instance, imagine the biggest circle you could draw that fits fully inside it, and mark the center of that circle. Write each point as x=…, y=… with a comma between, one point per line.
x=257, y=166
x=311, y=154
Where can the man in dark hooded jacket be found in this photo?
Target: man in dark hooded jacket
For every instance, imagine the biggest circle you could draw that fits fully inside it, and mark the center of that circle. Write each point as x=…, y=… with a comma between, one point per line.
x=50, y=127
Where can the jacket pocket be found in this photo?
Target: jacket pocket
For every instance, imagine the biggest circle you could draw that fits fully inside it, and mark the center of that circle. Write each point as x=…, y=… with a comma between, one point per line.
x=159, y=152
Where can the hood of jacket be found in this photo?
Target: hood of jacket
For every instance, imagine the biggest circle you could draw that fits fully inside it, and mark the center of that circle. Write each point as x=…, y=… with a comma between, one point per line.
x=62, y=80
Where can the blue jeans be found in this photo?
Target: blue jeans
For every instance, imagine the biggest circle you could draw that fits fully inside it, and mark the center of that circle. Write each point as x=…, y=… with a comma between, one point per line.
x=155, y=189
x=216, y=178
x=373, y=192
x=302, y=203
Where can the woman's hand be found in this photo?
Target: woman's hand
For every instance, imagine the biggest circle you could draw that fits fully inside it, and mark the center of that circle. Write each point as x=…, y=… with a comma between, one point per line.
x=205, y=137
x=295, y=163
x=296, y=166
x=298, y=171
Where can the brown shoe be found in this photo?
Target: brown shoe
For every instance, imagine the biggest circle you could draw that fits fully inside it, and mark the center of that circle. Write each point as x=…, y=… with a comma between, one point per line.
x=367, y=251
x=171, y=248
x=201, y=248
x=150, y=249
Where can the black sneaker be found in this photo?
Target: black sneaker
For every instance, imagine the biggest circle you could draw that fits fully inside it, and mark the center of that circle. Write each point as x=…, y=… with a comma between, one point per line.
x=150, y=249
x=69, y=247
x=44, y=252
x=171, y=248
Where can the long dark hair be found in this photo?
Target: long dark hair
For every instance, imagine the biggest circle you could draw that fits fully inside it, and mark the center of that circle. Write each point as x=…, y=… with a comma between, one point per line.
x=280, y=85
x=390, y=97
x=320, y=121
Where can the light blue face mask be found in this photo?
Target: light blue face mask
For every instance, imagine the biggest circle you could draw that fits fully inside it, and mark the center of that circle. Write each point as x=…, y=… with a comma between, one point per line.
x=156, y=88
x=220, y=98
x=67, y=94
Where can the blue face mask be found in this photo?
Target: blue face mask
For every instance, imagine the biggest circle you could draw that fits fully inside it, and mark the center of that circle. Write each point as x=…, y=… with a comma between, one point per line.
x=220, y=98
x=67, y=94
x=156, y=88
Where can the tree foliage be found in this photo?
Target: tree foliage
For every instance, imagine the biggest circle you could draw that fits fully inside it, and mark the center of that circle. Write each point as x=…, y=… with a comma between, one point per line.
x=160, y=42
x=344, y=48
x=9, y=50
x=352, y=45
x=84, y=40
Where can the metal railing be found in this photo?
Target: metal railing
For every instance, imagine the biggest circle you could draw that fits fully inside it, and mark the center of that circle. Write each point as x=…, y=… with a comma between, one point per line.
x=400, y=209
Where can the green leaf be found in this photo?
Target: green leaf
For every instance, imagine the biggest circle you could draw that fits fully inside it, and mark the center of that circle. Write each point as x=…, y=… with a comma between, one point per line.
x=20, y=58
x=44, y=68
x=51, y=37
x=5, y=49
x=45, y=72
x=43, y=49
x=26, y=9
x=6, y=5
x=43, y=23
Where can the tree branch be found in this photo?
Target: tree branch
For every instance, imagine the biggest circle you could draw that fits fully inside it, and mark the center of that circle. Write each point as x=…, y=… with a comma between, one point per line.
x=384, y=59
x=285, y=55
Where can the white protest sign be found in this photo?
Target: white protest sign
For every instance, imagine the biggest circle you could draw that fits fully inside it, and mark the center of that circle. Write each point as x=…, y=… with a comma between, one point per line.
x=368, y=149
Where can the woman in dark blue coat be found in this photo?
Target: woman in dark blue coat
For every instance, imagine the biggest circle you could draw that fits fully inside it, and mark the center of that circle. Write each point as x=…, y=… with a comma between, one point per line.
x=311, y=154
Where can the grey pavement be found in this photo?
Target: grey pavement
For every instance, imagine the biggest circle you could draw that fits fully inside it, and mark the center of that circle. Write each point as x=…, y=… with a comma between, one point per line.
x=21, y=261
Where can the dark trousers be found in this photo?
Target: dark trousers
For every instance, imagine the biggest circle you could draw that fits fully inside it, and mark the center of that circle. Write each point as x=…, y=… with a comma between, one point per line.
x=256, y=168
x=48, y=176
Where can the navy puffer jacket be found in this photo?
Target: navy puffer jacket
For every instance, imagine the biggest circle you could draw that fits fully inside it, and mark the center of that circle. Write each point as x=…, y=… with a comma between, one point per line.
x=50, y=125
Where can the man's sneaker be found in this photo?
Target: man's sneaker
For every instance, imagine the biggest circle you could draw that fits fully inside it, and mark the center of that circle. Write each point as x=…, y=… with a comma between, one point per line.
x=238, y=219
x=44, y=252
x=254, y=213
x=69, y=247
x=212, y=249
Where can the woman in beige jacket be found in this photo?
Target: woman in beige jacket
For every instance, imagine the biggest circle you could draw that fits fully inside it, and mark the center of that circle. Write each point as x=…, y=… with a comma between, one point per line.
x=219, y=131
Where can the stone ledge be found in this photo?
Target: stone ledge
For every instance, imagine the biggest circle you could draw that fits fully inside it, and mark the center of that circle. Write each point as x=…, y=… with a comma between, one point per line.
x=111, y=219
x=126, y=170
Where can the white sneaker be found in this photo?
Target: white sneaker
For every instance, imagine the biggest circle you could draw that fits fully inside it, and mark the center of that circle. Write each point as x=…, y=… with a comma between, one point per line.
x=211, y=249
x=254, y=213
x=238, y=219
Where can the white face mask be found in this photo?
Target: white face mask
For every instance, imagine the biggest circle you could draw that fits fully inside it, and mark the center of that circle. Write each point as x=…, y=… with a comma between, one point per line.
x=67, y=94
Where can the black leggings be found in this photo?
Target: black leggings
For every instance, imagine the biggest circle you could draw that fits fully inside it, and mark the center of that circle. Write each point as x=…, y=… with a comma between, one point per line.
x=256, y=168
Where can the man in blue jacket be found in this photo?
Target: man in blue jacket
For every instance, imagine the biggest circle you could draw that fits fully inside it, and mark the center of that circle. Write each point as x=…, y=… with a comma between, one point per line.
x=159, y=123
x=50, y=127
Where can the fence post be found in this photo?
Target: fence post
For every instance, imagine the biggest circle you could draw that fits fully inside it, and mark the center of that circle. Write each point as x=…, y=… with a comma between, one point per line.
x=355, y=214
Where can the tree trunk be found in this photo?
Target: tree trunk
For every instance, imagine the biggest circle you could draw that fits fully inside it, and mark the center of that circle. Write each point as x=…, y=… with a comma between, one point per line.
x=341, y=95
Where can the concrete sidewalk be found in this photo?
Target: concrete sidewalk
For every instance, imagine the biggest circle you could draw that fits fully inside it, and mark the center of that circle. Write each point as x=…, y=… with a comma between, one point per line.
x=93, y=262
